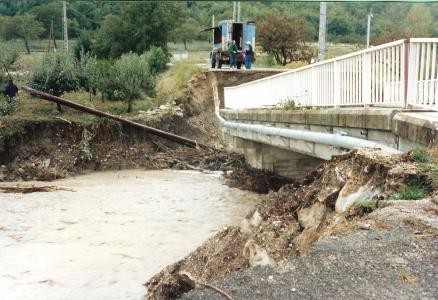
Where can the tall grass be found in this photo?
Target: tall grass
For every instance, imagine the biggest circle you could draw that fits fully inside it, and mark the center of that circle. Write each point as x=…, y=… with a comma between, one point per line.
x=173, y=82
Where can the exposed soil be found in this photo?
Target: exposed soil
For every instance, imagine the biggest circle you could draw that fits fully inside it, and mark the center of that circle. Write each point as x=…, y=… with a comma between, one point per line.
x=53, y=148
x=291, y=220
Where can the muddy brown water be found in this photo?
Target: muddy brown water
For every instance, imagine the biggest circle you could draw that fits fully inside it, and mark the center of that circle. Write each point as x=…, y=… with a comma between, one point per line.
x=105, y=239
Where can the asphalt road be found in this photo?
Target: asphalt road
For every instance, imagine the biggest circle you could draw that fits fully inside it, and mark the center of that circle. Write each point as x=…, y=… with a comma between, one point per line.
x=384, y=264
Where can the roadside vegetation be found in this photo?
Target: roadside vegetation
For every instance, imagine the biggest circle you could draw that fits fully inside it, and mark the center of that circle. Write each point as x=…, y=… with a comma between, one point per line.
x=116, y=65
x=410, y=192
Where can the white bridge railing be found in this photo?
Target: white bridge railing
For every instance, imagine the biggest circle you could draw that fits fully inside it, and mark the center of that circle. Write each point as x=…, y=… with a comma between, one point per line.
x=398, y=74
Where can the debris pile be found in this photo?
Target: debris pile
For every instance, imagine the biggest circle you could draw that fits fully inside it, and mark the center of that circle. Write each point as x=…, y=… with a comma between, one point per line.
x=170, y=107
x=290, y=220
x=237, y=173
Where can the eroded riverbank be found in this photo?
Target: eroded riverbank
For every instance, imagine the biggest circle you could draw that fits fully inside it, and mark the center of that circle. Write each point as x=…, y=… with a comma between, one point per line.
x=114, y=230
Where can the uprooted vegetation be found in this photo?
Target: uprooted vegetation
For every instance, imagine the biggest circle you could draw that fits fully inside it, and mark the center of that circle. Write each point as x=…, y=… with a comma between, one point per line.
x=289, y=221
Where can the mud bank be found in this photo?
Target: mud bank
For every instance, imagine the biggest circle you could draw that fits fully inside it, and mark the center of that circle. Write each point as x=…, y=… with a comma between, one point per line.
x=52, y=149
x=291, y=220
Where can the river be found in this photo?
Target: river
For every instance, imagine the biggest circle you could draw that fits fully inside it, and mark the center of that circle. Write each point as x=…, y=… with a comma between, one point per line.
x=105, y=238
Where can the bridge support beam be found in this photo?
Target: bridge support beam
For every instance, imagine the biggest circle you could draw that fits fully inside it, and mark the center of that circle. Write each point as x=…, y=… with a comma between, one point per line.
x=280, y=161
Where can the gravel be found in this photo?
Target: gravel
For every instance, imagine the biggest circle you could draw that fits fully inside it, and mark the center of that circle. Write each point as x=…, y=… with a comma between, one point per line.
x=379, y=264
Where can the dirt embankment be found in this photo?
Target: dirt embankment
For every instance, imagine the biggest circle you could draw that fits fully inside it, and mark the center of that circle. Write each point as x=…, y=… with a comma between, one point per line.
x=291, y=220
x=51, y=148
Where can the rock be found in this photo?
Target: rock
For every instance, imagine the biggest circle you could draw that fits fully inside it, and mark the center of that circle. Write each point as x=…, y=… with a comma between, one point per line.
x=364, y=226
x=311, y=216
x=250, y=223
x=46, y=163
x=256, y=255
x=175, y=286
x=346, y=199
x=306, y=239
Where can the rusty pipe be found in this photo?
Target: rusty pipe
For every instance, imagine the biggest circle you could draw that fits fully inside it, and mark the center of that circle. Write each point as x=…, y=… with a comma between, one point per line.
x=163, y=134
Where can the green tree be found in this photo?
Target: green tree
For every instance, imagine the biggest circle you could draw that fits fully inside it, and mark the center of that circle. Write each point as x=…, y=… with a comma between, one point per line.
x=157, y=60
x=83, y=45
x=185, y=32
x=418, y=21
x=107, y=83
x=133, y=77
x=7, y=60
x=47, y=13
x=138, y=28
x=284, y=38
x=56, y=75
x=21, y=27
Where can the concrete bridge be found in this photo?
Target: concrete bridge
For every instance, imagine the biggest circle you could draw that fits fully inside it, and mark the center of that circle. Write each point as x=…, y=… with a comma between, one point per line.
x=384, y=97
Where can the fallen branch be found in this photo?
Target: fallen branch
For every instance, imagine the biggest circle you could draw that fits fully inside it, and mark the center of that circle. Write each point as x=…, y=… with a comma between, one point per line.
x=62, y=119
x=33, y=189
x=222, y=292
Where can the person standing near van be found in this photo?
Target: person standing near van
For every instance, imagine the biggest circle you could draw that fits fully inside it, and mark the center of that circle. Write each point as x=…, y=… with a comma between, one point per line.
x=248, y=55
x=232, y=52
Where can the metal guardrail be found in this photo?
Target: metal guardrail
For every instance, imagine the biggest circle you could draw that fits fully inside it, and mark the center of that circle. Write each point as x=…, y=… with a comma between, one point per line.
x=398, y=74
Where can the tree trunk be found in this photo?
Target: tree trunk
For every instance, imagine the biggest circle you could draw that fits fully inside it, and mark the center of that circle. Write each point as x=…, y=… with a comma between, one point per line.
x=185, y=44
x=27, y=45
x=129, y=106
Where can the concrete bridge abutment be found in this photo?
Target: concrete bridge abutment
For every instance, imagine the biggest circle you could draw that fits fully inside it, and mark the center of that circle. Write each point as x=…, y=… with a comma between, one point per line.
x=292, y=143
x=282, y=162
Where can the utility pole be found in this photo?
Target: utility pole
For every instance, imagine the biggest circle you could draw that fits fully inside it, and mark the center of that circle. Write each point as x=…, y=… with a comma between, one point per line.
x=322, y=29
x=370, y=16
x=238, y=11
x=234, y=11
x=64, y=13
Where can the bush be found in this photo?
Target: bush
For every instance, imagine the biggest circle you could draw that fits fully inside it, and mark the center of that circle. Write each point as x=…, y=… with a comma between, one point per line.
x=289, y=104
x=133, y=77
x=365, y=206
x=410, y=192
x=7, y=60
x=420, y=155
x=157, y=60
x=88, y=70
x=8, y=107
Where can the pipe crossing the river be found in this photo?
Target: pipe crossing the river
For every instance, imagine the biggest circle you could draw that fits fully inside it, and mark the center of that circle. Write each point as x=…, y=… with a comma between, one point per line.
x=336, y=140
x=167, y=135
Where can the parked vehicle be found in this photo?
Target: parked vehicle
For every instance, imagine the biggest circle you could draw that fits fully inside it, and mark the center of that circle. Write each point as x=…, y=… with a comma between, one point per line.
x=225, y=32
